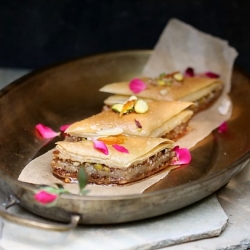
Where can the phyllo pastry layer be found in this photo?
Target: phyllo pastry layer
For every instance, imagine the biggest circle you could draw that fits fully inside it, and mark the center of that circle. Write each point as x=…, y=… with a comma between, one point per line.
x=203, y=91
x=140, y=158
x=162, y=119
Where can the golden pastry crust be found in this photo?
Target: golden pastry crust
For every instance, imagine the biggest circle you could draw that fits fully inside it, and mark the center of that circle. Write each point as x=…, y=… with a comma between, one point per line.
x=202, y=91
x=160, y=119
x=176, y=91
x=146, y=156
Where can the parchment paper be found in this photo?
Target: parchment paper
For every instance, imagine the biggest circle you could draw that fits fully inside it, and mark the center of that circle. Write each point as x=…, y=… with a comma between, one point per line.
x=180, y=46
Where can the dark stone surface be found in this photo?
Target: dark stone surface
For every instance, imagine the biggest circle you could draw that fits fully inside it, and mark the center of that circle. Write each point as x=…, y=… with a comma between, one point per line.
x=37, y=33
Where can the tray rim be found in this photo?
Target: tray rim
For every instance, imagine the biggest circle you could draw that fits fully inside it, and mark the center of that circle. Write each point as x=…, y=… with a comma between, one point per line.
x=37, y=72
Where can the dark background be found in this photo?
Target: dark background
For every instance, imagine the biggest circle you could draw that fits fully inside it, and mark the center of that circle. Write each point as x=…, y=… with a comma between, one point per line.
x=37, y=33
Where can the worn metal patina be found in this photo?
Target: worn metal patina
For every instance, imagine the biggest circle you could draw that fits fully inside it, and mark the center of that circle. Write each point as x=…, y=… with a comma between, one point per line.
x=67, y=92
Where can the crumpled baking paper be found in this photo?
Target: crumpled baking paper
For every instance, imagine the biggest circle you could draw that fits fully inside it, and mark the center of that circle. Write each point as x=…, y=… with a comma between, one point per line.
x=180, y=46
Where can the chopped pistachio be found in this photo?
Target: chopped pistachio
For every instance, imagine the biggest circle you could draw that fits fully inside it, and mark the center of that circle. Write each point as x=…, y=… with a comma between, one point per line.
x=128, y=107
x=98, y=167
x=178, y=76
x=132, y=97
x=141, y=106
x=117, y=107
x=106, y=169
x=161, y=82
x=168, y=81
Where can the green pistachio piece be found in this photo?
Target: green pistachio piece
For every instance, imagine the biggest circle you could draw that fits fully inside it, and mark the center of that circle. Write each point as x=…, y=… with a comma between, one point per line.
x=178, y=76
x=161, y=82
x=132, y=97
x=141, y=106
x=106, y=169
x=117, y=107
x=98, y=166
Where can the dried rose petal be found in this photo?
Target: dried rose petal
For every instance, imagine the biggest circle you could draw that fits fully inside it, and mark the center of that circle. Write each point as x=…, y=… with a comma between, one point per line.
x=138, y=124
x=137, y=85
x=45, y=197
x=64, y=127
x=101, y=146
x=183, y=156
x=211, y=75
x=120, y=148
x=189, y=72
x=46, y=132
x=222, y=128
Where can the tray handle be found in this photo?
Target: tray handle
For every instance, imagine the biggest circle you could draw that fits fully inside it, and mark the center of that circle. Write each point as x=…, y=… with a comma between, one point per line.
x=75, y=218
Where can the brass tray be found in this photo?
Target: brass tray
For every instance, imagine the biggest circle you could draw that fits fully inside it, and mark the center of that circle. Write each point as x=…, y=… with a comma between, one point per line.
x=68, y=92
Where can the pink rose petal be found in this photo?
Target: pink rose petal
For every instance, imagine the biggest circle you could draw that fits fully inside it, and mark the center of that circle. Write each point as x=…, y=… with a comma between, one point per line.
x=45, y=197
x=138, y=124
x=211, y=75
x=120, y=148
x=101, y=146
x=64, y=127
x=183, y=156
x=189, y=72
x=46, y=132
x=137, y=85
x=223, y=128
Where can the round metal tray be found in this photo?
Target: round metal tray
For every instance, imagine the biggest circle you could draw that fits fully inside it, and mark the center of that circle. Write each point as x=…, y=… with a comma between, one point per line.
x=68, y=92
